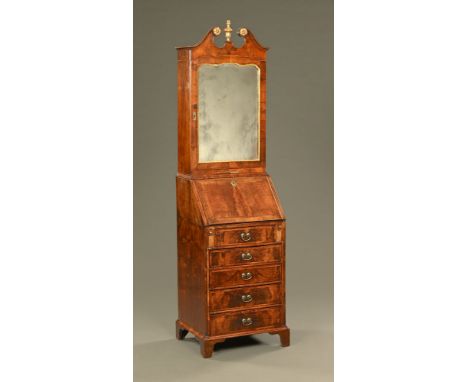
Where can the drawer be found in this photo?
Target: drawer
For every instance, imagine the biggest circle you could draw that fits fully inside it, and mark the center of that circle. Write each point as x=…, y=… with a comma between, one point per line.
x=225, y=323
x=245, y=298
x=245, y=256
x=244, y=276
x=246, y=235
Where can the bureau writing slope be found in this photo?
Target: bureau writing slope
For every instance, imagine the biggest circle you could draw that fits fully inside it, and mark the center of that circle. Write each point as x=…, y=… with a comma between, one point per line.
x=230, y=223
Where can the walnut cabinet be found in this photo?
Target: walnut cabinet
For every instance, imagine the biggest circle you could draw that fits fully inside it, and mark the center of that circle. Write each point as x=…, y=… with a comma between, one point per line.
x=230, y=223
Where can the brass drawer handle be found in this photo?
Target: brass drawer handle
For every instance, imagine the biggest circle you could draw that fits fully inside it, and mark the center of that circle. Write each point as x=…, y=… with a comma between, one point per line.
x=246, y=297
x=247, y=321
x=246, y=256
x=245, y=236
x=246, y=275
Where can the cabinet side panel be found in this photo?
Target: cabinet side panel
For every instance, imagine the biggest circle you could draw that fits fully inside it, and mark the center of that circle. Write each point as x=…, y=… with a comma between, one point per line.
x=191, y=262
x=283, y=273
x=183, y=88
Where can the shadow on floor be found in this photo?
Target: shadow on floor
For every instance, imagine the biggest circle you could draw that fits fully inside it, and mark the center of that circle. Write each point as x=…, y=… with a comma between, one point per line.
x=237, y=342
x=230, y=343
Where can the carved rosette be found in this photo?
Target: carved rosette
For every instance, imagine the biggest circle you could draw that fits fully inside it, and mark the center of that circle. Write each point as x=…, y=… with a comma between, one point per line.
x=243, y=32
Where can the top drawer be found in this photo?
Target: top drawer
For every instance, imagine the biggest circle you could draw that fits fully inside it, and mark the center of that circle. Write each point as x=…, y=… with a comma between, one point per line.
x=246, y=235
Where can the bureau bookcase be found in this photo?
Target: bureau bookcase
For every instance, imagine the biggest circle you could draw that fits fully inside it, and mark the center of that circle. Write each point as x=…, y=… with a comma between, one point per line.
x=230, y=223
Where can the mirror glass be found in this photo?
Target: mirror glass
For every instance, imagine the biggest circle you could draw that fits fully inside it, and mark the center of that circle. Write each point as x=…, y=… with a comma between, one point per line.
x=228, y=112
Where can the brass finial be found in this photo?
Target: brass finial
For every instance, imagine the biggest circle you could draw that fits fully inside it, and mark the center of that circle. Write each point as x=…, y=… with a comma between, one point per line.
x=228, y=30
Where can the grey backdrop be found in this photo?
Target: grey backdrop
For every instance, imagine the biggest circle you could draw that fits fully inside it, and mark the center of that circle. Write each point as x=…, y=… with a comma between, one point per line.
x=299, y=159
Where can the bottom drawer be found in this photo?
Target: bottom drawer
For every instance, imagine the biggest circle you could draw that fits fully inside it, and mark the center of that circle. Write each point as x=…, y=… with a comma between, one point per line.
x=225, y=323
